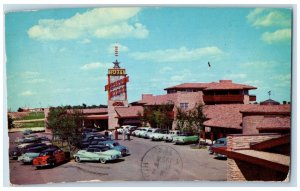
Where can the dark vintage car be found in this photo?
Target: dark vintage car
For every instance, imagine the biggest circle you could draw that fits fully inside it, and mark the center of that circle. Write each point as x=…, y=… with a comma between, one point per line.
x=18, y=151
x=51, y=157
x=29, y=154
x=91, y=140
x=222, y=142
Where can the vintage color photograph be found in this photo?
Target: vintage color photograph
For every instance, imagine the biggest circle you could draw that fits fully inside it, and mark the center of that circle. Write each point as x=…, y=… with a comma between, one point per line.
x=119, y=94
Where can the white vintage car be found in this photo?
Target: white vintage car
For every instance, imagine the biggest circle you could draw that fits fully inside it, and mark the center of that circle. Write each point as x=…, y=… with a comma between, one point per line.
x=159, y=135
x=169, y=137
x=141, y=130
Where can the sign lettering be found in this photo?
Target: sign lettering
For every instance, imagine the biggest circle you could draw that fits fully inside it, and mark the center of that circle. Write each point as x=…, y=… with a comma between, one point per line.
x=116, y=71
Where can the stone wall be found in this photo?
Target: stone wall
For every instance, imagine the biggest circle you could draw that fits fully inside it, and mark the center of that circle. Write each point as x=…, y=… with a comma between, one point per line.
x=243, y=171
x=241, y=141
x=250, y=123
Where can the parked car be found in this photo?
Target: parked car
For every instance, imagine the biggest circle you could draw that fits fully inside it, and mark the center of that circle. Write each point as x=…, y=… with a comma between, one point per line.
x=222, y=142
x=135, y=132
x=159, y=135
x=142, y=131
x=89, y=139
x=50, y=157
x=115, y=146
x=27, y=132
x=131, y=129
x=122, y=128
x=99, y=153
x=31, y=153
x=186, y=137
x=149, y=133
x=30, y=139
x=169, y=136
x=15, y=153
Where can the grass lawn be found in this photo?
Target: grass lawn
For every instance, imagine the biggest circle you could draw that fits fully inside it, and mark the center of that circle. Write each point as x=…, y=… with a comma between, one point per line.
x=31, y=124
x=32, y=115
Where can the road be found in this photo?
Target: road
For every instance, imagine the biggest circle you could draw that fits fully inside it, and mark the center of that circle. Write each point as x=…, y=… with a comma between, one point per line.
x=197, y=164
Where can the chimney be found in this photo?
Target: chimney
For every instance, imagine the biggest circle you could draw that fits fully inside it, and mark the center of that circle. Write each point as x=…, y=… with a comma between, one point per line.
x=146, y=96
x=225, y=81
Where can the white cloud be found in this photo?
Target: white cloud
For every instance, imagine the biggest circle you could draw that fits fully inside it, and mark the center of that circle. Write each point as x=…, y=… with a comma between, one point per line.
x=165, y=70
x=29, y=74
x=35, y=81
x=27, y=93
x=269, y=17
x=100, y=23
x=85, y=41
x=184, y=75
x=95, y=65
x=235, y=76
x=121, y=48
x=178, y=55
x=282, y=35
x=262, y=65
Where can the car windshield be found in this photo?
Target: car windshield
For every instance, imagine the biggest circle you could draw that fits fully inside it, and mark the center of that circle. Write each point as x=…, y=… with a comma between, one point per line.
x=115, y=144
x=220, y=142
x=46, y=153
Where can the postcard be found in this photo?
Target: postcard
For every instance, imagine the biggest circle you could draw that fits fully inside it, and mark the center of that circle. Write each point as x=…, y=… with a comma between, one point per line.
x=165, y=93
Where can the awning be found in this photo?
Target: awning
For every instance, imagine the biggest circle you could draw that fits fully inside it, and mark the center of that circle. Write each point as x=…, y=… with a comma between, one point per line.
x=95, y=117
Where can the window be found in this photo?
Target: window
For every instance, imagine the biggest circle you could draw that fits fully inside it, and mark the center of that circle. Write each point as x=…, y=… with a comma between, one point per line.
x=184, y=105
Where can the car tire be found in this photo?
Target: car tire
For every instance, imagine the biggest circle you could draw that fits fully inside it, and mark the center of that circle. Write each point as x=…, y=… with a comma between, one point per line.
x=37, y=167
x=102, y=161
x=52, y=164
x=77, y=159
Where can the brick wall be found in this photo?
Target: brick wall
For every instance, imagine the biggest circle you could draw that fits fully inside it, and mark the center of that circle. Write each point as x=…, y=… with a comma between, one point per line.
x=112, y=114
x=241, y=141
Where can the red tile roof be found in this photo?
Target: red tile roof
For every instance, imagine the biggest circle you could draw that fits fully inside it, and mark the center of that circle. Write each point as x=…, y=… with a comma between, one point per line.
x=96, y=116
x=286, y=108
x=230, y=115
x=224, y=115
x=127, y=112
x=190, y=85
x=275, y=122
x=94, y=110
x=221, y=85
x=158, y=100
x=228, y=85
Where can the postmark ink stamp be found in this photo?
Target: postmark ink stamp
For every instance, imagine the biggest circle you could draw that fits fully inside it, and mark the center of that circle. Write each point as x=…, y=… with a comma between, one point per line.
x=161, y=163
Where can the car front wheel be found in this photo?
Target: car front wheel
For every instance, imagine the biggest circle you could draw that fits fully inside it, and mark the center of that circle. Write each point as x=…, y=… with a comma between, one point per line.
x=77, y=159
x=102, y=161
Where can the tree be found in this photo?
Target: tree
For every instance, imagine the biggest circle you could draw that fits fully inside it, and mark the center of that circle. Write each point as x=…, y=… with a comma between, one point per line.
x=65, y=124
x=10, y=122
x=191, y=120
x=157, y=115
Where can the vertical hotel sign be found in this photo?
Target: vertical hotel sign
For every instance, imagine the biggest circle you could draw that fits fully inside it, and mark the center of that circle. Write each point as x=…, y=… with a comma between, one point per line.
x=116, y=87
x=117, y=80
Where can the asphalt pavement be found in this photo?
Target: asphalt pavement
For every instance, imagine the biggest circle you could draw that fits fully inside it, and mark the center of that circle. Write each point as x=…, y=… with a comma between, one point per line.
x=148, y=160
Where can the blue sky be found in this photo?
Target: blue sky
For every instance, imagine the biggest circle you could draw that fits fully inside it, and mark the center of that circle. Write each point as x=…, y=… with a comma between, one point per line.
x=61, y=56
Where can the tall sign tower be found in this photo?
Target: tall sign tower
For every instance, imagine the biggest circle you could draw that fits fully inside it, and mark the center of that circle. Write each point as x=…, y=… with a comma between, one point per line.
x=117, y=90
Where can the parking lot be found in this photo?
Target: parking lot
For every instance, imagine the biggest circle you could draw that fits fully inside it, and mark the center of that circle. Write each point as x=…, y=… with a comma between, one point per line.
x=195, y=164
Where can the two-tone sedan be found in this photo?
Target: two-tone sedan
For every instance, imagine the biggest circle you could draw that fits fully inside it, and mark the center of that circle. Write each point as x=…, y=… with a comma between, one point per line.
x=113, y=145
x=98, y=153
x=185, y=138
x=169, y=137
x=159, y=135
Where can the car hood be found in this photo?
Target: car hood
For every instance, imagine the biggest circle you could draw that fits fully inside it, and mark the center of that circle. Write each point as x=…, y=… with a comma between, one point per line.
x=119, y=148
x=111, y=152
x=218, y=145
